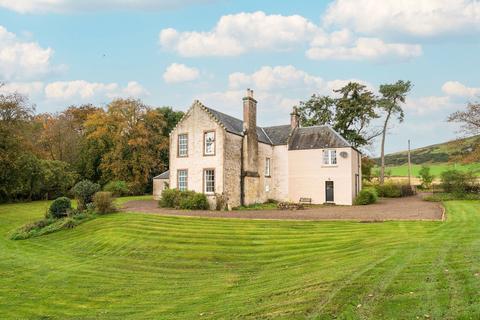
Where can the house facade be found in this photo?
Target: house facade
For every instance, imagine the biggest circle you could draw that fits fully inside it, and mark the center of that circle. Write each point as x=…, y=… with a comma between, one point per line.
x=216, y=154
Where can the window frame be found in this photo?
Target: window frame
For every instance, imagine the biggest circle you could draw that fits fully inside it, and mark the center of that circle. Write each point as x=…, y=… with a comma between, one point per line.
x=329, y=153
x=268, y=167
x=178, y=146
x=205, y=154
x=178, y=179
x=205, y=181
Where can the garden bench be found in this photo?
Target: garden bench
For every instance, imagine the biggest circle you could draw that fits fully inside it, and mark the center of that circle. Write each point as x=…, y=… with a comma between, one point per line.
x=305, y=201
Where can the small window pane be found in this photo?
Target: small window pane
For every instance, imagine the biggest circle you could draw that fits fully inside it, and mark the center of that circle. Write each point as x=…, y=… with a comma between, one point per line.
x=325, y=157
x=182, y=145
x=209, y=142
x=182, y=180
x=209, y=180
x=329, y=157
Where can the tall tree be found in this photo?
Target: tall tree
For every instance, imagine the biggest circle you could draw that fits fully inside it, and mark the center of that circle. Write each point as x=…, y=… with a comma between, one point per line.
x=350, y=114
x=393, y=95
x=469, y=121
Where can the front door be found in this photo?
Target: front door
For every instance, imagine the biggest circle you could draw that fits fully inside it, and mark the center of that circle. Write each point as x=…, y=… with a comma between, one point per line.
x=328, y=191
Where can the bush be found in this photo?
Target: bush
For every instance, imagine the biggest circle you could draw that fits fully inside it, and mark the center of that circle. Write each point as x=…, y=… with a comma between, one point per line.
x=389, y=190
x=103, y=202
x=60, y=207
x=426, y=177
x=174, y=198
x=84, y=191
x=194, y=201
x=366, y=196
x=118, y=188
x=459, y=183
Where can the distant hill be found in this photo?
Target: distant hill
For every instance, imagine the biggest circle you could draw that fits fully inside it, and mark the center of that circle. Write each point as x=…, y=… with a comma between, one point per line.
x=447, y=152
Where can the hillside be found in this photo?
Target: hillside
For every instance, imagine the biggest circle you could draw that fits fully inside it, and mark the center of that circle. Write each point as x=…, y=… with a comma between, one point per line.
x=453, y=151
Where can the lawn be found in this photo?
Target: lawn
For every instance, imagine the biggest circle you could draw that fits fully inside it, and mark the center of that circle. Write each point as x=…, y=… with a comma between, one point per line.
x=139, y=266
x=435, y=169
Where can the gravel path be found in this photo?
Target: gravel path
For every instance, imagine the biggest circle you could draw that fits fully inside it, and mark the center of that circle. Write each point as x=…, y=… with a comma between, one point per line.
x=410, y=208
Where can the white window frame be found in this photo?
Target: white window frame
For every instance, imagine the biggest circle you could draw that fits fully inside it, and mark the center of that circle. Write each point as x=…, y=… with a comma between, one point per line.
x=209, y=181
x=183, y=145
x=180, y=182
x=209, y=143
x=329, y=157
x=267, y=167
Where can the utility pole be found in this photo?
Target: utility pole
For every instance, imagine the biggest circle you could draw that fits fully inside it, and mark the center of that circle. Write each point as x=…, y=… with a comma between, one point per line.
x=409, y=166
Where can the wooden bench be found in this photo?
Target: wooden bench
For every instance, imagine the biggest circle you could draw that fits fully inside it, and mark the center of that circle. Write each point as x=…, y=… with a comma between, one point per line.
x=305, y=201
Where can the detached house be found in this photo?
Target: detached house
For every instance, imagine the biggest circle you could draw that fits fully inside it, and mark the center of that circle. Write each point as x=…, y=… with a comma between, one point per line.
x=214, y=153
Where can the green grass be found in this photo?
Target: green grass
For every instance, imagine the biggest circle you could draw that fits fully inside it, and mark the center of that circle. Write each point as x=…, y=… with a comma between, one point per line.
x=139, y=266
x=258, y=206
x=435, y=169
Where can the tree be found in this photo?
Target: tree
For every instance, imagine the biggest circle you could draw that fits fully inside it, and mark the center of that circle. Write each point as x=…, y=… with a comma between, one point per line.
x=130, y=135
x=469, y=120
x=350, y=114
x=367, y=165
x=392, y=96
x=426, y=177
x=171, y=119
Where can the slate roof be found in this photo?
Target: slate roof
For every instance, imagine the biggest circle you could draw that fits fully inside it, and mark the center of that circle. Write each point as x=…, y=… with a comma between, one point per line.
x=315, y=137
x=164, y=175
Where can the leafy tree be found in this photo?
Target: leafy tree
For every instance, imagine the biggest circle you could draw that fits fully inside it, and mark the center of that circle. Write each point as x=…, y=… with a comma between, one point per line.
x=84, y=191
x=393, y=95
x=350, y=114
x=131, y=137
x=426, y=177
x=469, y=120
x=367, y=166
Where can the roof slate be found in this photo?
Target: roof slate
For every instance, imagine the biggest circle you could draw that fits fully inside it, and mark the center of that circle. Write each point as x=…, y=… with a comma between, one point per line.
x=163, y=175
x=315, y=137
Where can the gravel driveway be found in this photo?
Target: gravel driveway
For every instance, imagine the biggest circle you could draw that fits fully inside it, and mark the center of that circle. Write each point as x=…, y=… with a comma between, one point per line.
x=410, y=208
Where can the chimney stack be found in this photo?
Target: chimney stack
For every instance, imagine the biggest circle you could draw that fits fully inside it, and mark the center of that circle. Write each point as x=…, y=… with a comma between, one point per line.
x=294, y=118
x=249, y=111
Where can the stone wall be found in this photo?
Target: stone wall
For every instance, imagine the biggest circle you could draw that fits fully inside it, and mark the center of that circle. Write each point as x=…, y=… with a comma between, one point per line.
x=158, y=187
x=232, y=168
x=195, y=123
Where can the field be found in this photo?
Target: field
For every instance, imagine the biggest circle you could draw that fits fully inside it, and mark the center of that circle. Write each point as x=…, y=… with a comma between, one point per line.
x=139, y=266
x=435, y=169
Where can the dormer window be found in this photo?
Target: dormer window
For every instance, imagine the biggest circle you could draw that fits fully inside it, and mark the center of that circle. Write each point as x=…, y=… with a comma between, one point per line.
x=209, y=143
x=329, y=157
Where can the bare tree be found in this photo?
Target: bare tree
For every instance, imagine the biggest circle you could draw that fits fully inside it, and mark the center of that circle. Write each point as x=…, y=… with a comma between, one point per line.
x=469, y=118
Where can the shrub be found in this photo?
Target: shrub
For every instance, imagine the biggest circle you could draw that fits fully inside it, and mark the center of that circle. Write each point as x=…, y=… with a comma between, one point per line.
x=60, y=207
x=426, y=177
x=118, y=188
x=103, y=202
x=174, y=198
x=388, y=190
x=170, y=198
x=459, y=183
x=84, y=191
x=194, y=201
x=221, y=202
x=366, y=196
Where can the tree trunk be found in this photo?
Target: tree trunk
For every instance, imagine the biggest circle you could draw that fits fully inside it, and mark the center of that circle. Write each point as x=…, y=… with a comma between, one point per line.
x=382, y=151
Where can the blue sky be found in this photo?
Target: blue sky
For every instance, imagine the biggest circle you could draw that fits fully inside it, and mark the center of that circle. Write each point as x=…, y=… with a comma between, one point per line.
x=171, y=52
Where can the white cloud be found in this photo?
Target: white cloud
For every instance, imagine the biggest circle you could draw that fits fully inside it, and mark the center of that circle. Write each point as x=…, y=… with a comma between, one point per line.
x=177, y=72
x=267, y=78
x=60, y=6
x=27, y=88
x=238, y=33
x=90, y=91
x=455, y=88
x=366, y=49
x=413, y=17
x=21, y=59
x=429, y=104
x=241, y=33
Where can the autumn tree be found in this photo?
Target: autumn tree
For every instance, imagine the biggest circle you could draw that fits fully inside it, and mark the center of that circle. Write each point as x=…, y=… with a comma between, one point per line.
x=131, y=136
x=393, y=96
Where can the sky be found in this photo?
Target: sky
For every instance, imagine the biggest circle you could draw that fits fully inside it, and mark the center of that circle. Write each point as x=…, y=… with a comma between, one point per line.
x=172, y=52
